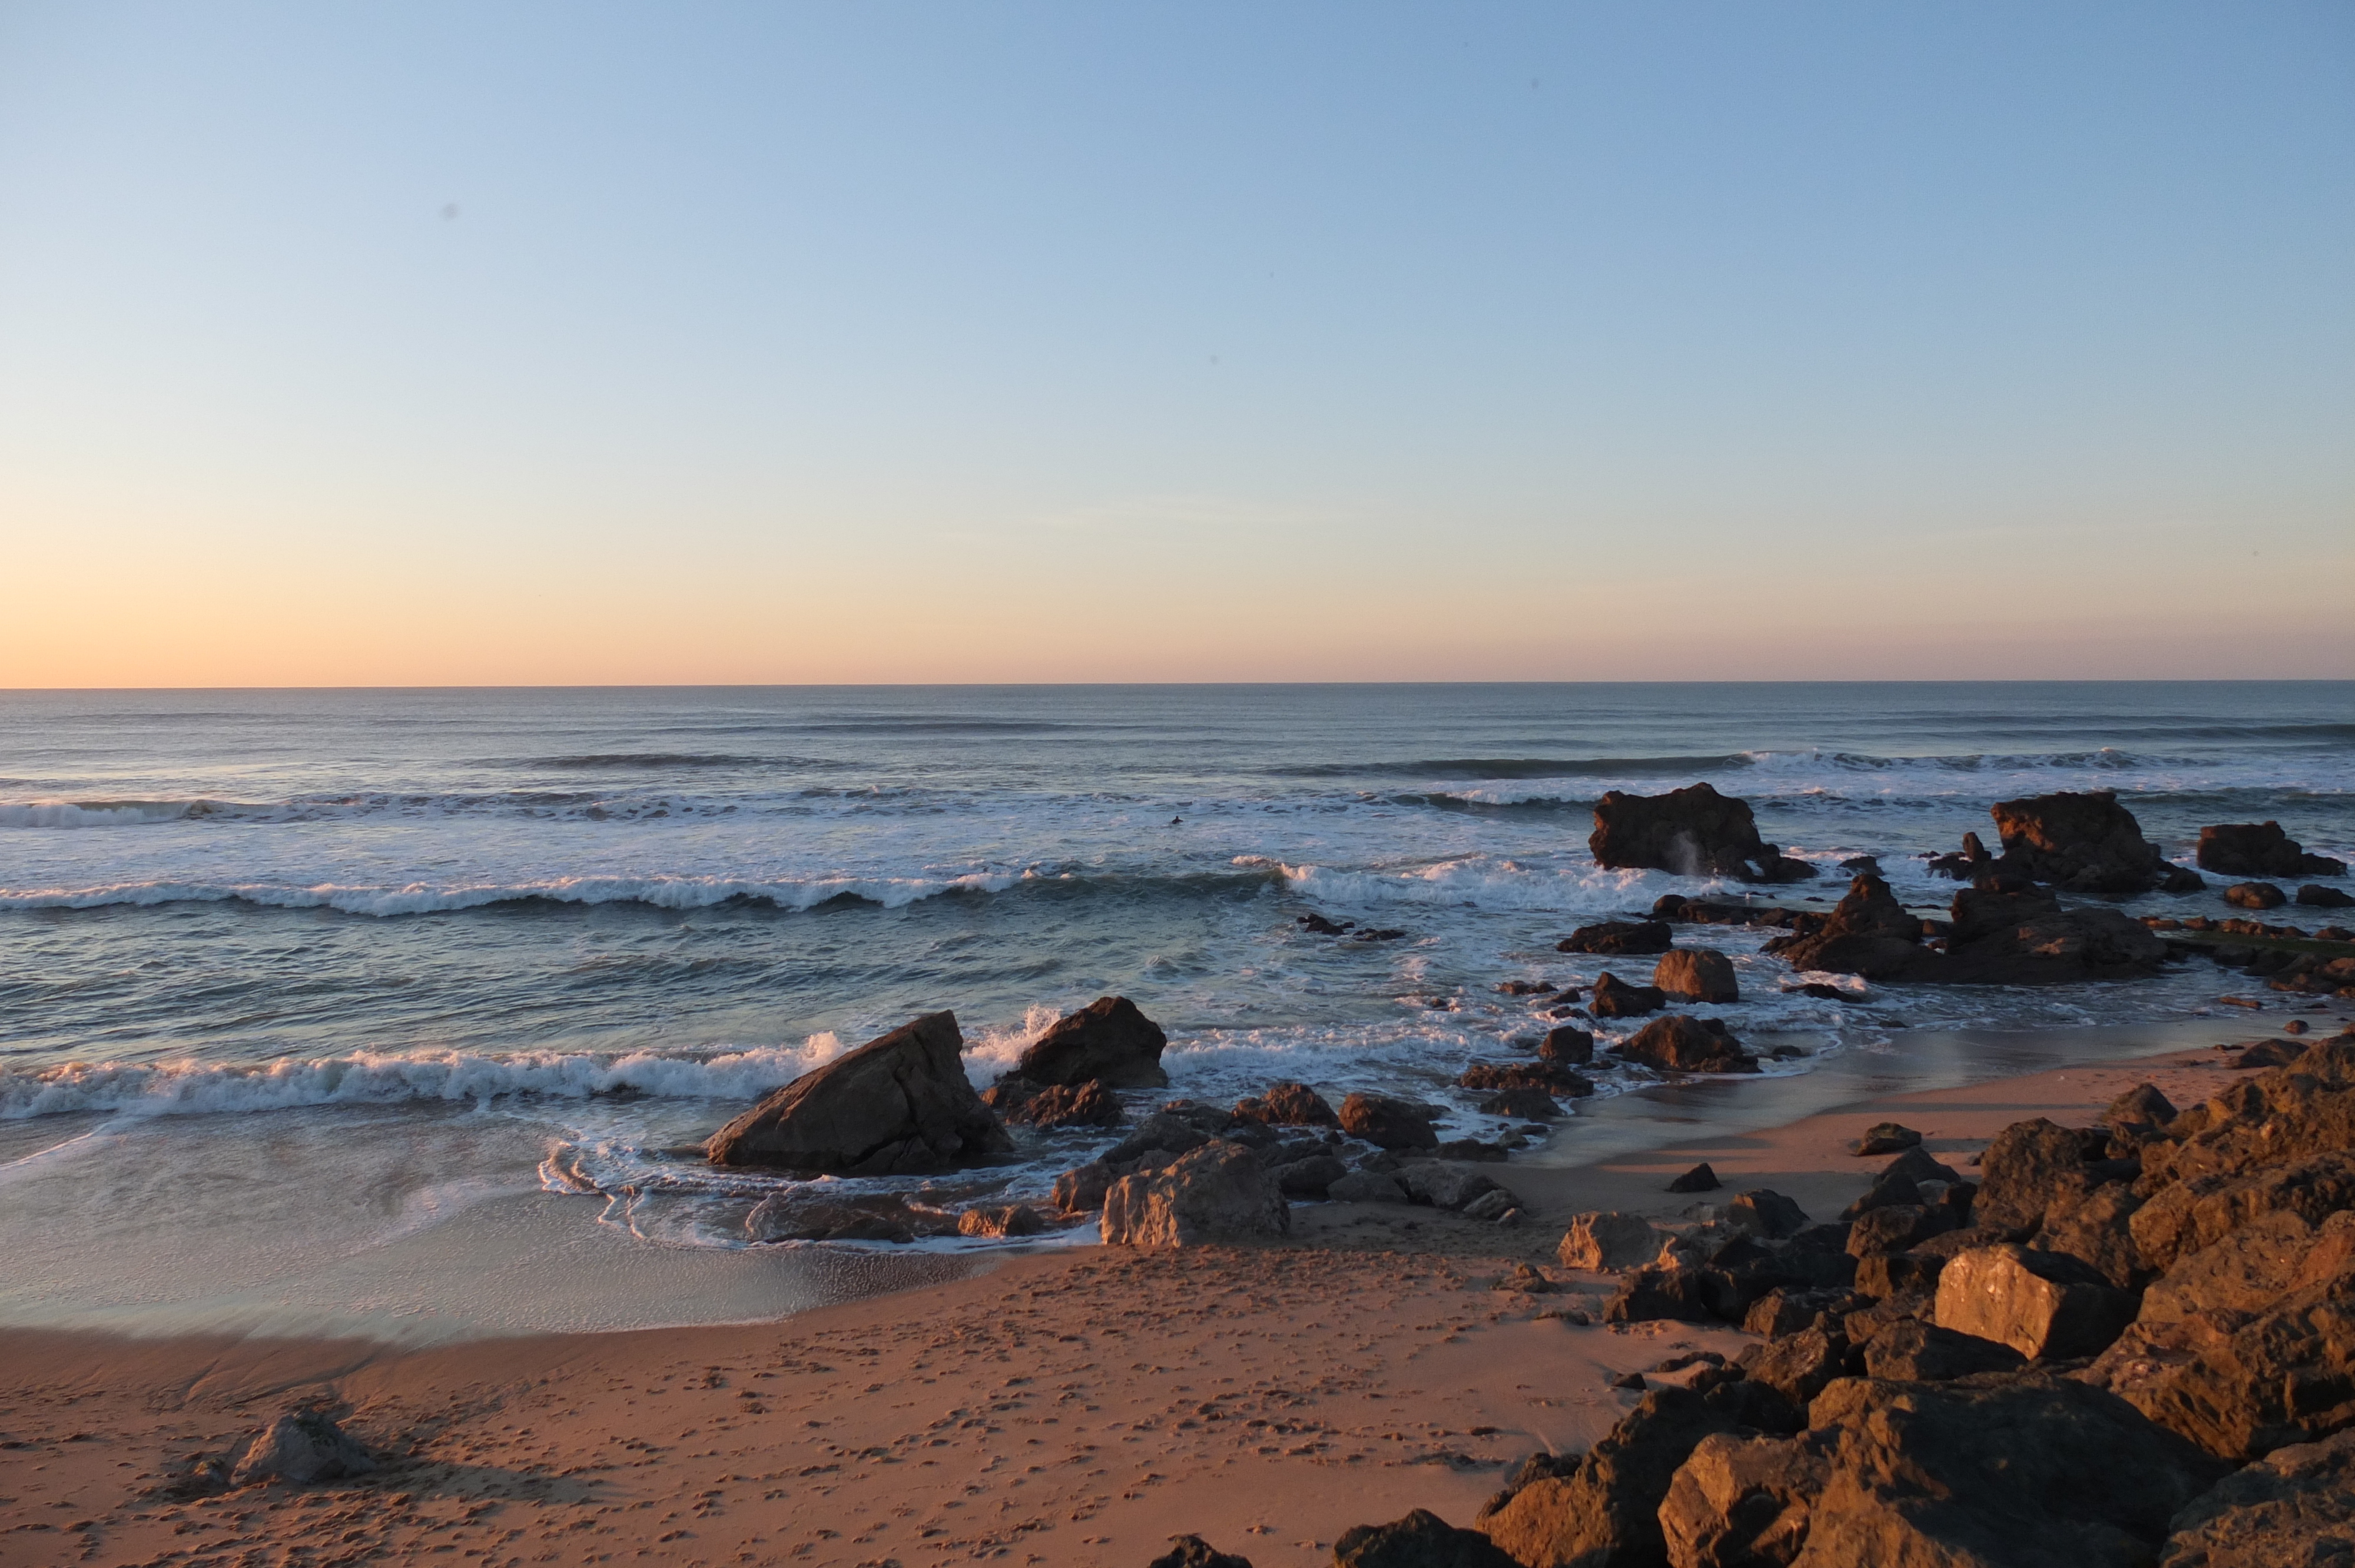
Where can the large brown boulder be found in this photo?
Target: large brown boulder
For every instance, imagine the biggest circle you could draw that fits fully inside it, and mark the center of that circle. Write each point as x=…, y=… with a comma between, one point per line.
x=1693, y=832
x=2293, y=1509
x=1108, y=1040
x=2085, y=844
x=1288, y=1105
x=2260, y=849
x=1614, y=998
x=899, y=1105
x=1681, y=1044
x=2046, y=1306
x=1420, y=1540
x=1867, y=933
x=2004, y=933
x=2030, y=1167
x=1605, y=1513
x=1387, y=1122
x=1989, y=1471
x=1698, y=974
x=1218, y=1192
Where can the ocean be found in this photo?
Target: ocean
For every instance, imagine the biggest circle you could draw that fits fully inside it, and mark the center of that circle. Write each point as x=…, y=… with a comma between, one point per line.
x=393, y=1011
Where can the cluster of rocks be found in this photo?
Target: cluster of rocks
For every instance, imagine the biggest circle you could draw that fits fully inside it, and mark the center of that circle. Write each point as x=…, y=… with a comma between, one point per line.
x=2078, y=843
x=2260, y=849
x=2002, y=930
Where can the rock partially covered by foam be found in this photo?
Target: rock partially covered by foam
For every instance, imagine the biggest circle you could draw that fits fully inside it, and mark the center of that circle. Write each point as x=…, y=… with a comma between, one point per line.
x=1109, y=1040
x=899, y=1105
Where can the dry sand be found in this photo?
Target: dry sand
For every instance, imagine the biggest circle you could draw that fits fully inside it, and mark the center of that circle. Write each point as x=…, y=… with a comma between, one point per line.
x=1079, y=1406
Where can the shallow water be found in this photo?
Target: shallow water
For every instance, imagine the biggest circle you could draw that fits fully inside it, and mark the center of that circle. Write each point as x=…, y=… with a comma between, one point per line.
x=299, y=991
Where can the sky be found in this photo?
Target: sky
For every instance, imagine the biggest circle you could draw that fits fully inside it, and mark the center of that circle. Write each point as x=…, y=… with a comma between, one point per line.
x=593, y=343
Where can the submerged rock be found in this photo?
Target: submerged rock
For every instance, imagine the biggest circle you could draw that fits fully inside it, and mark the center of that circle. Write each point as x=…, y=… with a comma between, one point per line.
x=1614, y=998
x=899, y=1105
x=1288, y=1105
x=1619, y=938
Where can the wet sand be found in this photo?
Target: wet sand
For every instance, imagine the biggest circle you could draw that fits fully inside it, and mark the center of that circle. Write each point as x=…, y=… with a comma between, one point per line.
x=1078, y=1406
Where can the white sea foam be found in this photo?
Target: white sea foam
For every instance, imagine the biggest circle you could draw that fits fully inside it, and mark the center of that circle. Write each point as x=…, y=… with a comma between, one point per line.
x=423, y=898
x=197, y=1088
x=1484, y=882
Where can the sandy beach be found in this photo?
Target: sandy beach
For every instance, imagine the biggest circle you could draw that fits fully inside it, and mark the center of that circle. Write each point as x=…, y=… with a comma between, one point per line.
x=1076, y=1406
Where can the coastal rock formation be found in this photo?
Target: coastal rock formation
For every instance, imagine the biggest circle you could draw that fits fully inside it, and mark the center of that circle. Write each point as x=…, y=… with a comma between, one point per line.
x=2083, y=844
x=1567, y=1045
x=2045, y=1305
x=1193, y=1551
x=2255, y=896
x=1218, y=1192
x=300, y=1447
x=1885, y=1138
x=1693, y=832
x=1697, y=974
x=1606, y=1506
x=1619, y=938
x=1108, y=1039
x=998, y=1220
x=2003, y=933
x=1607, y=1239
x=2260, y=849
x=1682, y=1044
x=899, y=1105
x=1066, y=1104
x=2293, y=1509
x=1387, y=1122
x=817, y=1212
x=1614, y=998
x=1420, y=1540
x=1288, y=1105
x=1762, y=1211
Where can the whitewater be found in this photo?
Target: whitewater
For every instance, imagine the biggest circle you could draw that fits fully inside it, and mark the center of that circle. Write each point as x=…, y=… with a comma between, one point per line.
x=293, y=984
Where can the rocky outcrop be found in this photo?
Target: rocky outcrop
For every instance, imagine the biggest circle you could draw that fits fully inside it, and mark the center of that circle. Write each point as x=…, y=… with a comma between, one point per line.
x=1698, y=974
x=1063, y=1104
x=818, y=1211
x=2083, y=844
x=2255, y=896
x=1607, y=1239
x=1614, y=998
x=1193, y=1551
x=1420, y=1540
x=1885, y=1138
x=1001, y=1219
x=1288, y=1105
x=1678, y=1044
x=1387, y=1122
x=2000, y=933
x=300, y=1447
x=1619, y=938
x=1693, y=832
x=1218, y=1192
x=2047, y=1305
x=2293, y=1509
x=1108, y=1040
x=898, y=1105
x=1566, y=1045
x=2260, y=849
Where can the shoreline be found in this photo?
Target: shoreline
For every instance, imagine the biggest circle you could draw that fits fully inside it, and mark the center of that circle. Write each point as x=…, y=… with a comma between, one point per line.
x=1078, y=1405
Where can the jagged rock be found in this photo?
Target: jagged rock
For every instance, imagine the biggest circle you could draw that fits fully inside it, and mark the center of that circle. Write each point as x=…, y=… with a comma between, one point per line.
x=1108, y=1039
x=2238, y=1274
x=1193, y=1551
x=1742, y=1502
x=2046, y=1306
x=1001, y=1219
x=1679, y=1043
x=1910, y=1351
x=1605, y=1511
x=1081, y=1192
x=899, y=1105
x=1697, y=974
x=2255, y=896
x=2313, y=896
x=1785, y=1310
x=2029, y=1167
x=2005, y=934
x=1442, y=1186
x=1566, y=1045
x=1895, y=1227
x=1699, y=1179
x=1420, y=1540
x=1762, y=1211
x=2260, y=849
x=2282, y=1115
x=2085, y=844
x=1164, y=1131
x=1310, y=1178
x=1387, y=1122
x=2140, y=1107
x=1288, y=1105
x=1606, y=1239
x=1523, y=1104
x=1614, y=998
x=1367, y=1187
x=1867, y=933
x=2096, y=1229
x=1885, y=1138
x=1069, y=1105
x=1800, y=1366
x=1646, y=1295
x=1693, y=832
x=1900, y=1184
x=1618, y=938
x=300, y=1447
x=2293, y=1509
x=1216, y=1193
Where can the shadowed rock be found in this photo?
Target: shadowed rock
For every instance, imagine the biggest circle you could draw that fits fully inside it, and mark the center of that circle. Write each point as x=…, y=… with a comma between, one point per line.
x=1693, y=832
x=898, y=1105
x=1218, y=1192
x=1108, y=1039
x=300, y=1447
x=2260, y=849
x=2083, y=844
x=1697, y=974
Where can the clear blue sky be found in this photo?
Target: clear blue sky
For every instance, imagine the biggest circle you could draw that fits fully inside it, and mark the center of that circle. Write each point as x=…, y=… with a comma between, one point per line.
x=596, y=343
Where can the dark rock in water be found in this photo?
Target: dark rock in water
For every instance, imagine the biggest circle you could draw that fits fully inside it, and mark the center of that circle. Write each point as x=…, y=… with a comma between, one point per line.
x=1697, y=974
x=1523, y=1105
x=1683, y=1044
x=1420, y=1540
x=1965, y=865
x=1823, y=992
x=1567, y=1045
x=1910, y=1351
x=1064, y=1104
x=2047, y=1305
x=1765, y=1212
x=1885, y=1138
x=898, y=1105
x=1860, y=865
x=813, y=1213
x=1868, y=933
x=1614, y=998
x=1081, y=1192
x=2313, y=896
x=2006, y=933
x=1288, y=1105
x=1001, y=1219
x=2260, y=849
x=1618, y=938
x=1699, y=1179
x=1989, y=1471
x=1108, y=1039
x=1170, y=1134
x=1387, y=1122
x=1193, y=1551
x=1693, y=832
x=1324, y=927
x=1606, y=1509
x=2083, y=844
x=2293, y=1509
x=1216, y=1193
x=301, y=1447
x=1541, y=1075
x=2255, y=896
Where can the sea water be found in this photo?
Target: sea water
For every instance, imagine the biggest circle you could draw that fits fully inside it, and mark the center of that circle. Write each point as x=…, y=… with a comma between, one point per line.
x=401, y=1012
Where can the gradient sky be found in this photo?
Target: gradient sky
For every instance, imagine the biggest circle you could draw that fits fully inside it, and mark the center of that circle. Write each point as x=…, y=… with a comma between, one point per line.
x=582, y=343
